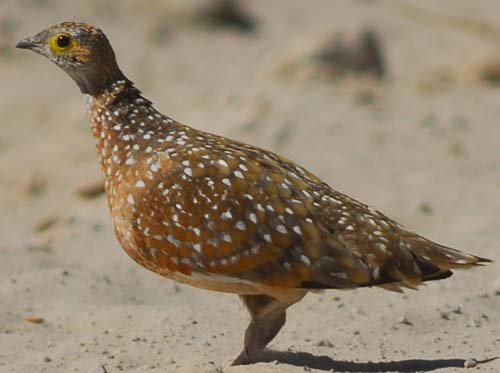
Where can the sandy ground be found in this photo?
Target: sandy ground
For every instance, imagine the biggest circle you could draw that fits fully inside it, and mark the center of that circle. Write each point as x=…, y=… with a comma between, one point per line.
x=421, y=146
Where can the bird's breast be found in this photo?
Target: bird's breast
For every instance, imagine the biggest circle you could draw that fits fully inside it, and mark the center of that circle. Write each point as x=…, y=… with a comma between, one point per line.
x=137, y=219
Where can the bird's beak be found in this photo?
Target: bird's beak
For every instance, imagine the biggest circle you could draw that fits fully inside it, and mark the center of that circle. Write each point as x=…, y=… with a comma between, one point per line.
x=34, y=43
x=28, y=43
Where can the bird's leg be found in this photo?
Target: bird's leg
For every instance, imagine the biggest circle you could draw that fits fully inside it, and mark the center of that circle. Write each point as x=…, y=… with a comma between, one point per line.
x=268, y=315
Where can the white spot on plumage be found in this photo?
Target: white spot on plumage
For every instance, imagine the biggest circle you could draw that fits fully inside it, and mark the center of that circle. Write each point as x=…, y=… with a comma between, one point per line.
x=173, y=241
x=223, y=163
x=281, y=229
x=197, y=247
x=304, y=259
x=253, y=217
x=130, y=199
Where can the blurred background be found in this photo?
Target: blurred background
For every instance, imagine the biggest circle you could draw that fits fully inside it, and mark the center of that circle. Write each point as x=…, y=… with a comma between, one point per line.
x=396, y=103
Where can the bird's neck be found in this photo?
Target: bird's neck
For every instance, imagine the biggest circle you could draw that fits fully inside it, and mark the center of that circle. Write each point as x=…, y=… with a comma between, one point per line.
x=97, y=81
x=123, y=123
x=120, y=95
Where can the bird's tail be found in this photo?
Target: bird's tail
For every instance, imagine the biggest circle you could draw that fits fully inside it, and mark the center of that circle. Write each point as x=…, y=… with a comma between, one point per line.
x=441, y=256
x=430, y=261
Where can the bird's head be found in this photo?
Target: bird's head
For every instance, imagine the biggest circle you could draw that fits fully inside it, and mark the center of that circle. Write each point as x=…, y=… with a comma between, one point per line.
x=81, y=50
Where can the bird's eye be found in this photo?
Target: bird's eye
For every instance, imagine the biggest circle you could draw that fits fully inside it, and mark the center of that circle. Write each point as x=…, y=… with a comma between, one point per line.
x=62, y=42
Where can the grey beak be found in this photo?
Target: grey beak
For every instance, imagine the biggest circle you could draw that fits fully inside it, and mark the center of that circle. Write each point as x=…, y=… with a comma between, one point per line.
x=27, y=43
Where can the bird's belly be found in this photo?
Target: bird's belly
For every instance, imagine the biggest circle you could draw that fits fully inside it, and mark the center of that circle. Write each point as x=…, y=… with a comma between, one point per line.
x=226, y=284
x=164, y=265
x=162, y=258
x=216, y=283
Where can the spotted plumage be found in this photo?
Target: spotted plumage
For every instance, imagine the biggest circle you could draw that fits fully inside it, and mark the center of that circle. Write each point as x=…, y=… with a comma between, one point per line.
x=222, y=215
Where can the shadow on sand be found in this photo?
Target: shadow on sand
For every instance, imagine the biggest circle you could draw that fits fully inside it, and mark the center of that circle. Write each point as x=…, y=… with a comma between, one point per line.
x=304, y=359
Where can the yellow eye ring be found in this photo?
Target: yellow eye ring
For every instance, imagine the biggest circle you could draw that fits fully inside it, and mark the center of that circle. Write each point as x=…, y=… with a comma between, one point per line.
x=62, y=42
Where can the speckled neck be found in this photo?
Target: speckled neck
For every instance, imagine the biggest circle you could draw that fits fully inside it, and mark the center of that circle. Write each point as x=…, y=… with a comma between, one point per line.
x=122, y=120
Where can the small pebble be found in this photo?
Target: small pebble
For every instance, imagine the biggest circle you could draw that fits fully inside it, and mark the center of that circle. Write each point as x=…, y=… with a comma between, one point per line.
x=443, y=315
x=227, y=14
x=98, y=369
x=470, y=363
x=357, y=53
x=404, y=320
x=324, y=343
x=215, y=369
x=45, y=224
x=35, y=319
x=91, y=190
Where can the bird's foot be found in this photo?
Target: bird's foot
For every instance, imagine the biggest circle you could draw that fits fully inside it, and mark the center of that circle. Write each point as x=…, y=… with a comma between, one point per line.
x=249, y=356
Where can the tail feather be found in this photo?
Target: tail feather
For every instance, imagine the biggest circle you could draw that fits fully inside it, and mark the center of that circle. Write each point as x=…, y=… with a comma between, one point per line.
x=443, y=257
x=424, y=260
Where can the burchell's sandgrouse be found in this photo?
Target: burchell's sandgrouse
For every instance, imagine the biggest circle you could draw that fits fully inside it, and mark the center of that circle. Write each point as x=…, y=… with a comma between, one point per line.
x=226, y=216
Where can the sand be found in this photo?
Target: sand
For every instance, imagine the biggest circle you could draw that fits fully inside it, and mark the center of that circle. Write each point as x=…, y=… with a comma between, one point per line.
x=422, y=146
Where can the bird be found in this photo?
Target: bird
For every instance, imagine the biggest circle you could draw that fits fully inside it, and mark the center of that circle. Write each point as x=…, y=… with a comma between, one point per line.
x=222, y=215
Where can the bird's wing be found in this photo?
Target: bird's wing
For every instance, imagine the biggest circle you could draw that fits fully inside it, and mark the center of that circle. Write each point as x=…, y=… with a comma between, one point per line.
x=235, y=211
